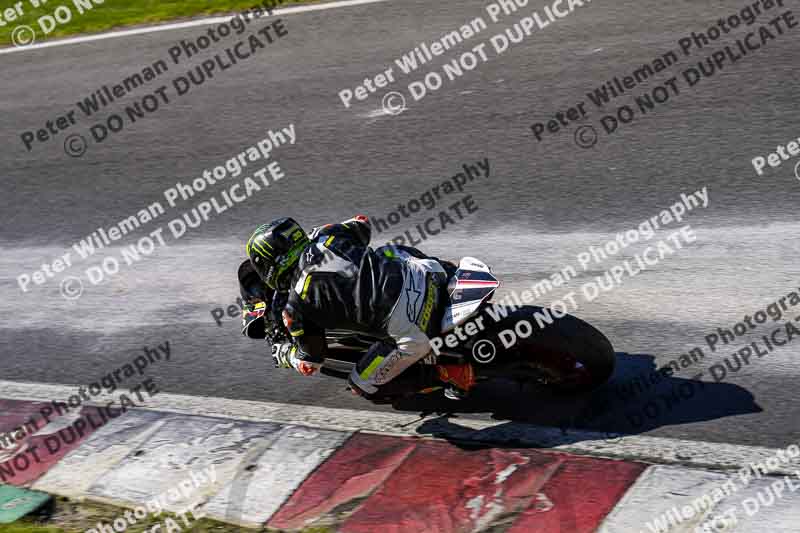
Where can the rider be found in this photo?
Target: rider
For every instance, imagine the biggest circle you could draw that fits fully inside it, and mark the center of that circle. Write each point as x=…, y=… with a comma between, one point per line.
x=332, y=279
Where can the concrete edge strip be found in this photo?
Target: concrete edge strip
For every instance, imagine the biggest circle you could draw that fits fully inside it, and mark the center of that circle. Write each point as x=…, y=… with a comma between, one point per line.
x=657, y=450
x=180, y=25
x=668, y=499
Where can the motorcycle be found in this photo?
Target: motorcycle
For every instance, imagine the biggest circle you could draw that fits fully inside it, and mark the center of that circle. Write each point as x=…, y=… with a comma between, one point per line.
x=566, y=355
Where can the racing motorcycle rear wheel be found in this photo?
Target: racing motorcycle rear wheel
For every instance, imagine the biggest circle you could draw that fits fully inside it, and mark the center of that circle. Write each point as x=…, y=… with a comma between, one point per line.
x=568, y=354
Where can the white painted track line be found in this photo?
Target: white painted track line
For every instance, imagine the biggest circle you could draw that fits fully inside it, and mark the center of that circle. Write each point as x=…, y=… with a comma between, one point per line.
x=181, y=25
x=657, y=450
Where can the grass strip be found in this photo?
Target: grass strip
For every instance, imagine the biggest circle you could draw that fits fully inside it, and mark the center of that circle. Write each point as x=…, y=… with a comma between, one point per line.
x=113, y=14
x=63, y=515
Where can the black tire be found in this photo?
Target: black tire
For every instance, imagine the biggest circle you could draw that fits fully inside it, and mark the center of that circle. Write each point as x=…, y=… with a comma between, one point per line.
x=555, y=347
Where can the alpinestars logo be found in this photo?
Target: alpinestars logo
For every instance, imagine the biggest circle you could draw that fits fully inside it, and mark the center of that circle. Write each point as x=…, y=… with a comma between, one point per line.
x=412, y=296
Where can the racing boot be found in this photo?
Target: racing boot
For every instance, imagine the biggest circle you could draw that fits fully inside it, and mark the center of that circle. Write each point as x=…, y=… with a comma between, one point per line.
x=461, y=379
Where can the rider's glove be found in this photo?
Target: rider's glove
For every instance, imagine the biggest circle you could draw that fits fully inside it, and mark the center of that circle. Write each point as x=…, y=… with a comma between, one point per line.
x=282, y=353
x=306, y=368
x=286, y=356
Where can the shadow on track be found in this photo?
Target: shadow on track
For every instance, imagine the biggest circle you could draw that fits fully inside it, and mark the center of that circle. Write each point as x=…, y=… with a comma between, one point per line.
x=636, y=399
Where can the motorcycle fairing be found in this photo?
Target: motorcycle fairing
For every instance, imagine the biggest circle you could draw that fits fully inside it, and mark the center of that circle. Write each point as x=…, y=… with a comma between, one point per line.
x=253, y=320
x=471, y=285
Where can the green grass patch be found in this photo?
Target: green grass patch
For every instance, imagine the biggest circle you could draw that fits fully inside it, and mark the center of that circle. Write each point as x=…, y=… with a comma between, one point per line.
x=63, y=515
x=117, y=13
x=24, y=528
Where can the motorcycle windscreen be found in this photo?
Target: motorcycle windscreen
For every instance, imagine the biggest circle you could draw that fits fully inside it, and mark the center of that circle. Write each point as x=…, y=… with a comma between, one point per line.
x=471, y=285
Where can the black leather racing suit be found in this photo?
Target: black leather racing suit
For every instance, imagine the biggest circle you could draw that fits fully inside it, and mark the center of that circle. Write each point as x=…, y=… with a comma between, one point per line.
x=392, y=292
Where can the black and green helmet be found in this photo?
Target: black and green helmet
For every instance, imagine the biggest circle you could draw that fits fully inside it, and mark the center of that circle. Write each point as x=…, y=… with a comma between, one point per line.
x=274, y=250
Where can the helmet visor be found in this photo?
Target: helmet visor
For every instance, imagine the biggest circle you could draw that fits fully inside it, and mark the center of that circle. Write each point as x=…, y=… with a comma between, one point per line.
x=261, y=266
x=279, y=276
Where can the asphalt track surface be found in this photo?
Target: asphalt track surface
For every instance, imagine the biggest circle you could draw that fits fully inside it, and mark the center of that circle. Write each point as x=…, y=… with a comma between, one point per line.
x=544, y=202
